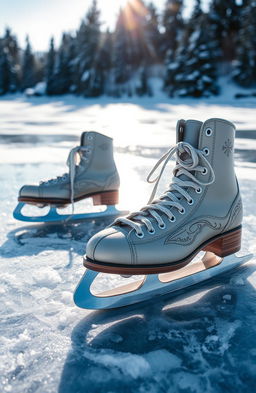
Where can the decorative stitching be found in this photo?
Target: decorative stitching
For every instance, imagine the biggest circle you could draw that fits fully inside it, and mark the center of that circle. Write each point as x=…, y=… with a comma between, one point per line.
x=187, y=236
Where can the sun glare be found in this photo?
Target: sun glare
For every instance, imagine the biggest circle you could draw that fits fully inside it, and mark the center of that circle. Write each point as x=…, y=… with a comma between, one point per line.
x=132, y=10
x=123, y=2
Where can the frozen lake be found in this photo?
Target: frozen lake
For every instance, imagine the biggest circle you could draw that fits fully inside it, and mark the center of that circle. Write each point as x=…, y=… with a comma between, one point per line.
x=203, y=340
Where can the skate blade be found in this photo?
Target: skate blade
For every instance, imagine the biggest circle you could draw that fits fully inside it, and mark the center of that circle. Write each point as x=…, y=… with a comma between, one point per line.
x=54, y=216
x=154, y=285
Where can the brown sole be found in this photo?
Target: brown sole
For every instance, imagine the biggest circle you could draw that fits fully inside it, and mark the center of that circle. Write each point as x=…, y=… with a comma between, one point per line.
x=99, y=198
x=221, y=245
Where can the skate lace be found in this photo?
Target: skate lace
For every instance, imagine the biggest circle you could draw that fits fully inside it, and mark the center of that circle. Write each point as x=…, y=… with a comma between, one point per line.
x=187, y=161
x=74, y=158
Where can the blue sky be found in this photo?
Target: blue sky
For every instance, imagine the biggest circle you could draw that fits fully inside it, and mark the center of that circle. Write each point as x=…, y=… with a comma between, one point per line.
x=42, y=19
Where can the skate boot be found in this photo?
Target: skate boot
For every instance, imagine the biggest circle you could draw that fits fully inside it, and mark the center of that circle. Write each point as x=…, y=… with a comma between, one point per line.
x=92, y=174
x=200, y=211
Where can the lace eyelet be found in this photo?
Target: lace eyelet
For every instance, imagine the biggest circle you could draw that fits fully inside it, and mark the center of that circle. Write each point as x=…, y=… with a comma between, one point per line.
x=206, y=151
x=152, y=232
x=90, y=137
x=173, y=219
x=162, y=226
x=191, y=202
x=208, y=131
x=199, y=190
x=140, y=235
x=204, y=171
x=182, y=211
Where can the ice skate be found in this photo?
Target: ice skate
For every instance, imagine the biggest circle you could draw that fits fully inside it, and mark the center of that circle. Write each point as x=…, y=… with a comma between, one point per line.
x=92, y=174
x=200, y=211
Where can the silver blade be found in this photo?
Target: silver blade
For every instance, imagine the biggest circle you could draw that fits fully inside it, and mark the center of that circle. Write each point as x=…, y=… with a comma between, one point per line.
x=152, y=286
x=54, y=216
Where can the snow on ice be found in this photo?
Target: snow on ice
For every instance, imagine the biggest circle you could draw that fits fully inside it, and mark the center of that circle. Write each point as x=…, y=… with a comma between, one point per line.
x=202, y=340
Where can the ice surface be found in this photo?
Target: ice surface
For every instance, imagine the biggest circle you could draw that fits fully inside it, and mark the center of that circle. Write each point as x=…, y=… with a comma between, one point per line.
x=202, y=341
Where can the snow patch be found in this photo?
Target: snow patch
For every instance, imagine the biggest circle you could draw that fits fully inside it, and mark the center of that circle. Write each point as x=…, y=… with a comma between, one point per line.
x=134, y=366
x=227, y=297
x=162, y=360
x=47, y=278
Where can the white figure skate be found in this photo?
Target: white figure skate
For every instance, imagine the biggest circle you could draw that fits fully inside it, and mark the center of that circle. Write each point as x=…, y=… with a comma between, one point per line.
x=201, y=211
x=92, y=174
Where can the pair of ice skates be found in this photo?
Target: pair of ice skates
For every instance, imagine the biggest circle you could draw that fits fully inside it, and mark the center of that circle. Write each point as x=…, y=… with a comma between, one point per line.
x=200, y=211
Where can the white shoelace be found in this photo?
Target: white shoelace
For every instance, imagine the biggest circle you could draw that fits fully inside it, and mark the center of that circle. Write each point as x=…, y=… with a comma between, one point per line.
x=74, y=158
x=177, y=189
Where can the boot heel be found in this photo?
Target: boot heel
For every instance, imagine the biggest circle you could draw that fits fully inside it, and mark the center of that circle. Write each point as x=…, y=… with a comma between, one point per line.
x=106, y=198
x=227, y=244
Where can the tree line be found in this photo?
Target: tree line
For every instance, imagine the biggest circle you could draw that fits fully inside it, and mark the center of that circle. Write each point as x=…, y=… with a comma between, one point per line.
x=188, y=54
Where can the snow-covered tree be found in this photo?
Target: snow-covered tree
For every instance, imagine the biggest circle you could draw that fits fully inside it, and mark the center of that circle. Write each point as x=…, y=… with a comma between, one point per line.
x=189, y=28
x=62, y=73
x=226, y=16
x=223, y=24
x=173, y=26
x=50, y=69
x=152, y=33
x=245, y=70
x=121, y=54
x=141, y=30
x=143, y=88
x=135, y=45
x=193, y=73
x=88, y=40
x=197, y=11
x=9, y=63
x=103, y=64
x=93, y=62
x=5, y=70
x=11, y=46
x=28, y=67
x=63, y=68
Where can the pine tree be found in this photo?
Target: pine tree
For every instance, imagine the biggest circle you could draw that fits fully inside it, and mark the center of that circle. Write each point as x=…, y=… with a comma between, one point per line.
x=173, y=25
x=50, y=69
x=226, y=16
x=245, y=70
x=103, y=64
x=122, y=60
x=152, y=33
x=11, y=46
x=62, y=73
x=192, y=22
x=5, y=69
x=88, y=39
x=194, y=71
x=144, y=88
x=197, y=11
x=28, y=67
x=135, y=44
x=224, y=21
x=137, y=24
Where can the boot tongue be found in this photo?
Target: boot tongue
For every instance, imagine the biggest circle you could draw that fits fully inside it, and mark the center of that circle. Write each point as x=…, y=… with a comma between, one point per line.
x=188, y=131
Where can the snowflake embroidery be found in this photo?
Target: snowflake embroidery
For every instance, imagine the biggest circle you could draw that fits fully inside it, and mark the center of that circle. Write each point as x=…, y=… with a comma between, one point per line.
x=227, y=147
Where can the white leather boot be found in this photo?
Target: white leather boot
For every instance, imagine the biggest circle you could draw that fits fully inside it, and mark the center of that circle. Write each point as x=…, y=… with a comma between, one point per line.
x=92, y=173
x=201, y=209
